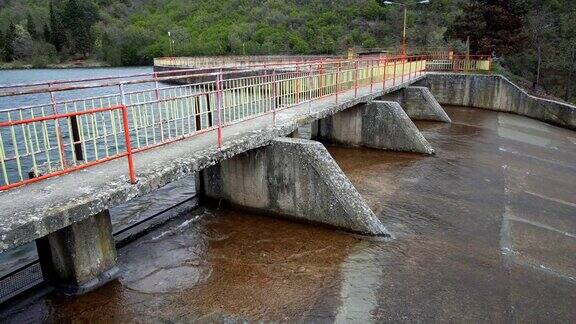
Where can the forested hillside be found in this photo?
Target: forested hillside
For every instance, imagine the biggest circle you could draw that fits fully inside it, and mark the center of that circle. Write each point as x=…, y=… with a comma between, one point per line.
x=526, y=36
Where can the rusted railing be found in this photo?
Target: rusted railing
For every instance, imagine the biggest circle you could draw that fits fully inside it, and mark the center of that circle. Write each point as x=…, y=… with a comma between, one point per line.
x=55, y=136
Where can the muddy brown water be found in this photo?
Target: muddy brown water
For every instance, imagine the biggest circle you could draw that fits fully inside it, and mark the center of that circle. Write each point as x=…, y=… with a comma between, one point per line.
x=485, y=231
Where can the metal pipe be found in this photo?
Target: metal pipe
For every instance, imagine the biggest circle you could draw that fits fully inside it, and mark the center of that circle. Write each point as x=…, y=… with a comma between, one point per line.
x=127, y=140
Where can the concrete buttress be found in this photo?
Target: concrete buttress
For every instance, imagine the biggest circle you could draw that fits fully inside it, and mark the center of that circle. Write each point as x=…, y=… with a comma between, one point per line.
x=377, y=124
x=419, y=104
x=296, y=178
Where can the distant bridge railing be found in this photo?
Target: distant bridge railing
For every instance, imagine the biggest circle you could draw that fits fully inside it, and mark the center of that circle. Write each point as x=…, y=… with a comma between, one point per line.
x=438, y=59
x=461, y=63
x=236, y=60
x=72, y=125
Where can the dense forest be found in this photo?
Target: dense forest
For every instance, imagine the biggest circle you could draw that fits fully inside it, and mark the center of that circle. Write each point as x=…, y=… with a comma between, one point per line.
x=533, y=39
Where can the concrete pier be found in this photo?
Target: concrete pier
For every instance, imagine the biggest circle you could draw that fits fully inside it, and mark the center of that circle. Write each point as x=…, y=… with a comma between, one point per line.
x=377, y=124
x=79, y=257
x=419, y=104
x=295, y=178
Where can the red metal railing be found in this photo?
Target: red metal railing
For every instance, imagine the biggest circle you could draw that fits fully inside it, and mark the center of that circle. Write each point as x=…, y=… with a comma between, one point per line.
x=61, y=136
x=65, y=168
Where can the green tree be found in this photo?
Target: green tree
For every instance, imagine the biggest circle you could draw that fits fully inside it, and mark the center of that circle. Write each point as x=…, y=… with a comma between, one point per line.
x=23, y=44
x=57, y=36
x=566, y=60
x=494, y=26
x=9, y=39
x=47, y=36
x=538, y=26
x=30, y=26
x=79, y=17
x=1, y=45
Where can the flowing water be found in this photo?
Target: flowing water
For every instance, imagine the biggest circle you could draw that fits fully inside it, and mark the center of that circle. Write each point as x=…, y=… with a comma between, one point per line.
x=485, y=230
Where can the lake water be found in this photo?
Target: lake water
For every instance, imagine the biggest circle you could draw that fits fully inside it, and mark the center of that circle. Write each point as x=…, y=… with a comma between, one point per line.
x=124, y=216
x=11, y=77
x=484, y=231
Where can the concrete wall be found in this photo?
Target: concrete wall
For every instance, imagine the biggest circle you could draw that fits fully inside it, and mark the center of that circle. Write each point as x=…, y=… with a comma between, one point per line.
x=296, y=178
x=419, y=104
x=378, y=124
x=495, y=92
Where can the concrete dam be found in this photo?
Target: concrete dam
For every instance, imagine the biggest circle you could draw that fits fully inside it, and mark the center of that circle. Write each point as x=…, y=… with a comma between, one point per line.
x=260, y=148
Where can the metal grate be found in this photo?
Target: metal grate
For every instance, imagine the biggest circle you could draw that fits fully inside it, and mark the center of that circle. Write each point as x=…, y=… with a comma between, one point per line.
x=20, y=280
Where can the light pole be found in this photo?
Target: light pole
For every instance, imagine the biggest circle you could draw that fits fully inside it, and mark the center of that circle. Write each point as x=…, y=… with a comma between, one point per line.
x=171, y=41
x=405, y=5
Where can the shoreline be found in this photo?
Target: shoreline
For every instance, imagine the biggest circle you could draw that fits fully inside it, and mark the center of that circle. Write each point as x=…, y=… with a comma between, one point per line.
x=56, y=66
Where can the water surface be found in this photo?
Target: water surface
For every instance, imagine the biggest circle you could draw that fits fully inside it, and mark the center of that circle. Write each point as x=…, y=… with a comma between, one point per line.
x=485, y=230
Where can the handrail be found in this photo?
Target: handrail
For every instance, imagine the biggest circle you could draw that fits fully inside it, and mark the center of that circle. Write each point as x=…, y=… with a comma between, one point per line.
x=52, y=139
x=49, y=139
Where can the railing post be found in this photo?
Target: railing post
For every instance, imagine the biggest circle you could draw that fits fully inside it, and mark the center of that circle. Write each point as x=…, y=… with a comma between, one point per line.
x=219, y=107
x=298, y=85
x=75, y=136
x=157, y=93
x=384, y=74
x=422, y=65
x=61, y=149
x=408, y=60
x=395, y=67
x=371, y=75
x=337, y=79
x=403, y=69
x=310, y=90
x=356, y=79
x=127, y=140
x=274, y=96
x=320, y=82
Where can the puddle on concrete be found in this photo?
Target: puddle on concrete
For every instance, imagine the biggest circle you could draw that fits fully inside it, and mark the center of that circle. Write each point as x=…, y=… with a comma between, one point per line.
x=485, y=231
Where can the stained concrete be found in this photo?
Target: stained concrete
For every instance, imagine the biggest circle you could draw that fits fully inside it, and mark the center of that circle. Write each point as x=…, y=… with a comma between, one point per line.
x=378, y=124
x=296, y=178
x=495, y=92
x=419, y=104
x=55, y=203
x=79, y=257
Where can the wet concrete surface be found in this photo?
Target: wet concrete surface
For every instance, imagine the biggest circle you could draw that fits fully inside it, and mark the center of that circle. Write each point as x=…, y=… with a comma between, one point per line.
x=484, y=231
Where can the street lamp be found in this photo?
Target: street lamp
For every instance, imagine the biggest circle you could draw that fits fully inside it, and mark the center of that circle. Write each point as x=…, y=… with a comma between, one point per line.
x=405, y=5
x=171, y=43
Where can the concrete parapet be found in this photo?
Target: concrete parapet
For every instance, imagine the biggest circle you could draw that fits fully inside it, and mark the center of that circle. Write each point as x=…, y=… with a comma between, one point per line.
x=80, y=257
x=495, y=92
x=296, y=178
x=377, y=124
x=419, y=104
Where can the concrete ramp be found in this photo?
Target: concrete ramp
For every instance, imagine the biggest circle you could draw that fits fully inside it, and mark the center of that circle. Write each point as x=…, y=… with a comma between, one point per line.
x=419, y=104
x=296, y=178
x=377, y=124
